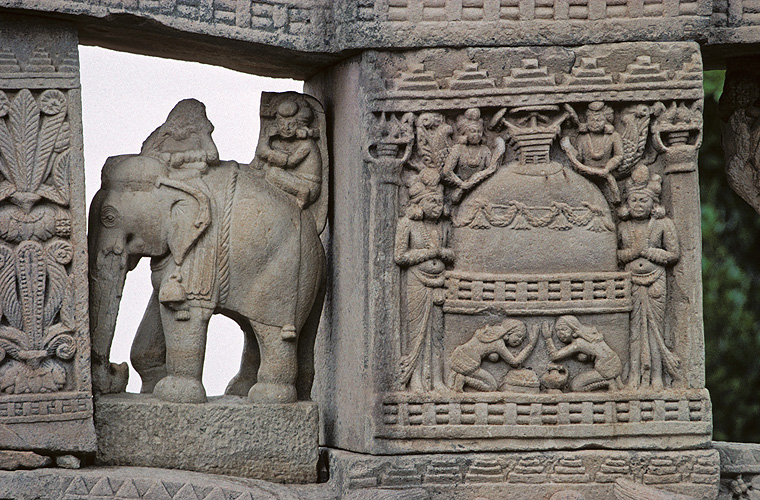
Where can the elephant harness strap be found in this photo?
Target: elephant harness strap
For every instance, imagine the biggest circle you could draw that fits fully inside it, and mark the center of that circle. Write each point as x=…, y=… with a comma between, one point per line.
x=198, y=279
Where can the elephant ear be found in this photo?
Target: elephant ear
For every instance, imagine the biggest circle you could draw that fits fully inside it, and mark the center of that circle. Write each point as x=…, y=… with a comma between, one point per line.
x=189, y=217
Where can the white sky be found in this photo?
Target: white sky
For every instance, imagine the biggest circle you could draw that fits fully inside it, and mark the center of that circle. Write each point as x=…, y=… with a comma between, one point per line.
x=124, y=98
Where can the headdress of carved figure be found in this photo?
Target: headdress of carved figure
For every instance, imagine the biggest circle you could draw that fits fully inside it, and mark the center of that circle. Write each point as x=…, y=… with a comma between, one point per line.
x=470, y=123
x=598, y=109
x=492, y=333
x=642, y=182
x=185, y=136
x=301, y=114
x=422, y=186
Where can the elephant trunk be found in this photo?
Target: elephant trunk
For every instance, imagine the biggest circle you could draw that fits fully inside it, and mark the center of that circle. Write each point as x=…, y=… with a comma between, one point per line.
x=108, y=272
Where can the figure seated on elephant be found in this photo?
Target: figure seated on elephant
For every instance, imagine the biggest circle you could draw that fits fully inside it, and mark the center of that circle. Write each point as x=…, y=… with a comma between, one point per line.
x=221, y=240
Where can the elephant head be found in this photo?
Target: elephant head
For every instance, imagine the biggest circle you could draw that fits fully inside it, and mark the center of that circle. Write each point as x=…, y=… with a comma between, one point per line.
x=138, y=212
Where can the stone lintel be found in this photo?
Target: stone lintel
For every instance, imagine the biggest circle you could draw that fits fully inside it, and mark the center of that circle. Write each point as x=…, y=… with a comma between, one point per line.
x=227, y=436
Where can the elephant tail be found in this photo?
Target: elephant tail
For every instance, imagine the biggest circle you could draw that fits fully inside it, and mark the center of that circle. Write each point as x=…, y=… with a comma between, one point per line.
x=306, y=343
x=310, y=264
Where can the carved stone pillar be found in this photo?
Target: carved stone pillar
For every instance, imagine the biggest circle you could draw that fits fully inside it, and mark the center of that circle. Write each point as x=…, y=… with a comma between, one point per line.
x=516, y=265
x=45, y=392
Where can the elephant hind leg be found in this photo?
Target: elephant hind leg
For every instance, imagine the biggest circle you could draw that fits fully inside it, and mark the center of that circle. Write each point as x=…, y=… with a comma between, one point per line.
x=249, y=362
x=277, y=374
x=148, y=354
x=306, y=341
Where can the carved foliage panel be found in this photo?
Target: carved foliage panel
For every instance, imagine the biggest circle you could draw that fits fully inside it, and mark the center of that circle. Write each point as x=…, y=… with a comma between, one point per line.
x=44, y=348
x=543, y=197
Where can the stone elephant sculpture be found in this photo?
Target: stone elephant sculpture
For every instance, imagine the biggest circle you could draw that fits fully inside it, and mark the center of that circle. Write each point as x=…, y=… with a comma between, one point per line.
x=221, y=241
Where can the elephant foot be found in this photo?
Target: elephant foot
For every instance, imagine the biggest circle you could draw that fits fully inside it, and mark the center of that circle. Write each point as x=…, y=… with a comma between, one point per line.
x=239, y=386
x=109, y=378
x=272, y=393
x=180, y=390
x=151, y=377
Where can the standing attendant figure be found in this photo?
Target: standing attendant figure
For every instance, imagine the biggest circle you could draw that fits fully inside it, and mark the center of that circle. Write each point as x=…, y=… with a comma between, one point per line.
x=648, y=245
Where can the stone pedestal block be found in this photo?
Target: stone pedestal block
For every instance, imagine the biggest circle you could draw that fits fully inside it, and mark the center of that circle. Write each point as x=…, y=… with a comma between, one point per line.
x=226, y=436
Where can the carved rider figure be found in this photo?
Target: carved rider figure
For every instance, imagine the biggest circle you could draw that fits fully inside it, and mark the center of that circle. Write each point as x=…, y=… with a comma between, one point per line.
x=420, y=248
x=184, y=144
x=289, y=153
x=648, y=244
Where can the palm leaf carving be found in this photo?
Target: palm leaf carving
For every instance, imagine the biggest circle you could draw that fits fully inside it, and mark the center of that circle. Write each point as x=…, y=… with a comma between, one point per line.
x=61, y=193
x=7, y=149
x=24, y=124
x=635, y=133
x=51, y=125
x=8, y=295
x=7, y=153
x=57, y=281
x=31, y=273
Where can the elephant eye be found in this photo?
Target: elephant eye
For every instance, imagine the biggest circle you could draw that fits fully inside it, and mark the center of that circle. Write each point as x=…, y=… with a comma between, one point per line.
x=109, y=216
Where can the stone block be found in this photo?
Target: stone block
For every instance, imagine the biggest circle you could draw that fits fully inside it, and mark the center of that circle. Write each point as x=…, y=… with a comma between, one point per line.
x=228, y=435
x=513, y=298
x=590, y=474
x=12, y=460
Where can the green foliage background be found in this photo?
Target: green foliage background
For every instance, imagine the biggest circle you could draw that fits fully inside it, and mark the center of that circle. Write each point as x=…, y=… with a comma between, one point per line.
x=731, y=284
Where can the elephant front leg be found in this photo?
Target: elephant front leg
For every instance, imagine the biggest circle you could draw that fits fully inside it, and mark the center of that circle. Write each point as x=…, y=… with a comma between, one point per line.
x=278, y=370
x=185, y=352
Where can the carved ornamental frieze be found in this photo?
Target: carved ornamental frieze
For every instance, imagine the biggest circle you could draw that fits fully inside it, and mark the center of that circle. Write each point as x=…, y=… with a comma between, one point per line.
x=548, y=290
x=44, y=336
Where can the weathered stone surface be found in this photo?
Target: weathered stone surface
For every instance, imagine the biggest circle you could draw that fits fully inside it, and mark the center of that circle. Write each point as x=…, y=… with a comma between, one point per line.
x=46, y=401
x=227, y=435
x=741, y=137
x=240, y=240
x=12, y=460
x=68, y=462
x=106, y=483
x=513, y=476
x=739, y=470
x=298, y=38
x=530, y=250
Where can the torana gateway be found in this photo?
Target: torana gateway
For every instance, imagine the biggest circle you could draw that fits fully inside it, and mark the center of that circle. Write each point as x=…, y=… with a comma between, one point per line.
x=466, y=260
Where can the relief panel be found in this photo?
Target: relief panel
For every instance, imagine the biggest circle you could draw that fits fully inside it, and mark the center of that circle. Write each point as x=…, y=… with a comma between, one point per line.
x=45, y=400
x=546, y=245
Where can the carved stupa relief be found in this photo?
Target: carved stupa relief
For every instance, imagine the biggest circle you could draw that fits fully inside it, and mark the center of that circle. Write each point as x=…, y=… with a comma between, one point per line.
x=552, y=184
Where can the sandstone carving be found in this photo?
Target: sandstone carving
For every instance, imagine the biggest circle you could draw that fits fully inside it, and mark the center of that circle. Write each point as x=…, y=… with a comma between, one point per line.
x=45, y=401
x=492, y=342
x=222, y=238
x=514, y=288
x=290, y=154
x=421, y=248
x=586, y=344
x=534, y=270
x=37, y=295
x=739, y=114
x=648, y=245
